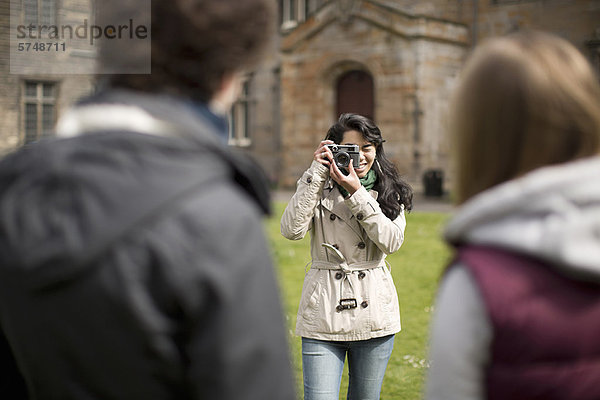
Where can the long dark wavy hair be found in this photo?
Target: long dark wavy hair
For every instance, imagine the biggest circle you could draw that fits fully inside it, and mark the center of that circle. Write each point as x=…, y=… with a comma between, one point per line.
x=392, y=190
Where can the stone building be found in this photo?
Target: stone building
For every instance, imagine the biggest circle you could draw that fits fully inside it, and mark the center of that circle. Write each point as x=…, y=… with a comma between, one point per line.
x=396, y=61
x=393, y=60
x=376, y=60
x=37, y=84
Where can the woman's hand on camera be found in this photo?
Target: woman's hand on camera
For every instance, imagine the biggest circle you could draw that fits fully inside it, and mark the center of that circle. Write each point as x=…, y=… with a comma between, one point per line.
x=323, y=154
x=350, y=182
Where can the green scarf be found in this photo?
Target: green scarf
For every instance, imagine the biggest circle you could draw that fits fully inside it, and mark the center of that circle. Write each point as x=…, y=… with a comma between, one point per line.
x=368, y=181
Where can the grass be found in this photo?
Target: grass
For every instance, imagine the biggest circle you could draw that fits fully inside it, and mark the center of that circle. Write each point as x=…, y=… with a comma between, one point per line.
x=416, y=269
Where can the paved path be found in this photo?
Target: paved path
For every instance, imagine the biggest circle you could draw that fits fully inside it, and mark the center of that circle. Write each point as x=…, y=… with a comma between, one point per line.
x=420, y=202
x=432, y=204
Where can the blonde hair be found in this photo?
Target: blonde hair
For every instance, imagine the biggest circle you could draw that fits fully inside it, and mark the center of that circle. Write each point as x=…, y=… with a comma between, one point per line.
x=524, y=101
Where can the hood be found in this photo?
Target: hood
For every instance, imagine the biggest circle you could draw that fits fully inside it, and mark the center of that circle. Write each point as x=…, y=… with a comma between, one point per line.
x=552, y=214
x=65, y=202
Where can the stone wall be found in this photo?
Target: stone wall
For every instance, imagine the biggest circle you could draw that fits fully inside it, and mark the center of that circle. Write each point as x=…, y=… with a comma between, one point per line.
x=63, y=69
x=9, y=87
x=264, y=106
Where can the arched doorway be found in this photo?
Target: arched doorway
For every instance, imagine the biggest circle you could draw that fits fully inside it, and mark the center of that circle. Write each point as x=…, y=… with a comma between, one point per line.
x=354, y=94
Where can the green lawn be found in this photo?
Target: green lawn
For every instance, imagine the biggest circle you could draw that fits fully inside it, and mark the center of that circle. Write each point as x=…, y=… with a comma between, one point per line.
x=416, y=269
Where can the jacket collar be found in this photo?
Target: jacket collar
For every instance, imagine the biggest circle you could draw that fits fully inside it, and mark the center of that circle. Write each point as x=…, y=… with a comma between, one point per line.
x=334, y=201
x=154, y=114
x=551, y=213
x=162, y=115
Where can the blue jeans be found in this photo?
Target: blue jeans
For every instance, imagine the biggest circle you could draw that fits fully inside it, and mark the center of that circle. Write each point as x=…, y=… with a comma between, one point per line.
x=323, y=364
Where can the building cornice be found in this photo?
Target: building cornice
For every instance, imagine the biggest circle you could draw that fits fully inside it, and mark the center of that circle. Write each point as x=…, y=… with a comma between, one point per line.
x=396, y=22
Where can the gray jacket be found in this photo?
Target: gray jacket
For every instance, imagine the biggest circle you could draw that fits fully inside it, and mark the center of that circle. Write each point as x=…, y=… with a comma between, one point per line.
x=552, y=214
x=133, y=263
x=350, y=240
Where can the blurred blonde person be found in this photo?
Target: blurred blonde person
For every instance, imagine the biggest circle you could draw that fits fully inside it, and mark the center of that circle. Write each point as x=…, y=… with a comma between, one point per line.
x=518, y=310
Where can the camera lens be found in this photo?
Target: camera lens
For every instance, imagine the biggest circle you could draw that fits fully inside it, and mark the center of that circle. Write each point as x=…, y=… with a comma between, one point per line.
x=342, y=159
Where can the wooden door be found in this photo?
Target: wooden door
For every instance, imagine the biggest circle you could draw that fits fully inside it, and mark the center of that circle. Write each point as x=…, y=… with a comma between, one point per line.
x=355, y=94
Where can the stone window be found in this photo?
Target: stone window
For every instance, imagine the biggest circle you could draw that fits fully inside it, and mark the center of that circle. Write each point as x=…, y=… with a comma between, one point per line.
x=596, y=61
x=39, y=12
x=288, y=10
x=293, y=11
x=594, y=48
x=39, y=109
x=354, y=94
x=239, y=118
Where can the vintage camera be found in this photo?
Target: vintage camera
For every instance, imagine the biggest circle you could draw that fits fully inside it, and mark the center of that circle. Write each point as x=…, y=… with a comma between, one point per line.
x=343, y=153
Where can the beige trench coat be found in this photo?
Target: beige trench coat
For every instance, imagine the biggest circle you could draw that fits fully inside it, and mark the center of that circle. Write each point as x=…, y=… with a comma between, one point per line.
x=349, y=242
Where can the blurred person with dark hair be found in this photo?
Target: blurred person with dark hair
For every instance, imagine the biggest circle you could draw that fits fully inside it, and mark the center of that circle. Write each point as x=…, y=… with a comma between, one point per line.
x=133, y=263
x=356, y=217
x=518, y=310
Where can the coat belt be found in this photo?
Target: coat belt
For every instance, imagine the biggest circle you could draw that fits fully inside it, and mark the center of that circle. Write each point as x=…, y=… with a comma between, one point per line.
x=358, y=266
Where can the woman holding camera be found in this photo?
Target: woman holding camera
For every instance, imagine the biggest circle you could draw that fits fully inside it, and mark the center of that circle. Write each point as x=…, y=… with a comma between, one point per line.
x=355, y=214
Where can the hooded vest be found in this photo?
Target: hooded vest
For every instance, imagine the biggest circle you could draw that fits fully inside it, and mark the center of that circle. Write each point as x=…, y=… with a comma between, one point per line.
x=546, y=327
